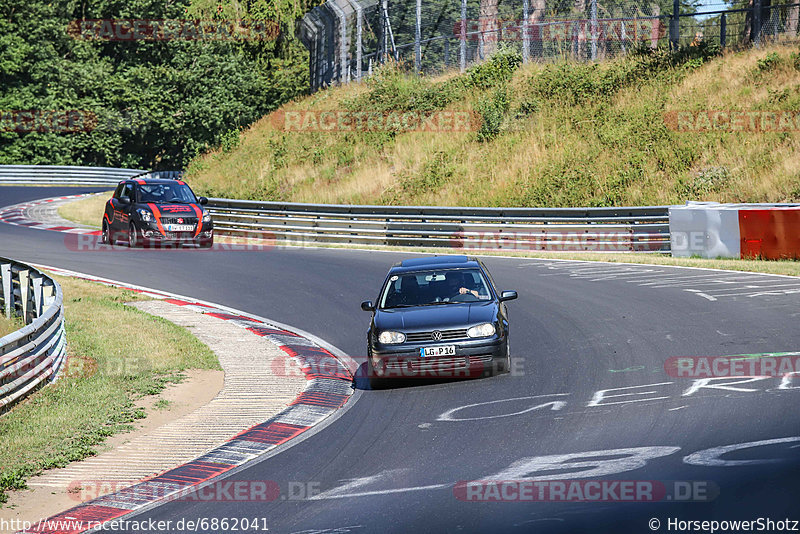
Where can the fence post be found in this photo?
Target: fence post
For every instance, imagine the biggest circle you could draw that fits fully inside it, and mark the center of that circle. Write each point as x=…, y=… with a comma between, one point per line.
x=594, y=30
x=446, y=52
x=385, y=19
x=463, y=35
x=723, y=31
x=417, y=39
x=359, y=25
x=755, y=34
x=526, y=43
x=343, y=70
x=674, y=25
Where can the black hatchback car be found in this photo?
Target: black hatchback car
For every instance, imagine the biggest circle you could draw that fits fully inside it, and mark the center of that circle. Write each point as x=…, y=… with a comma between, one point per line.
x=157, y=212
x=437, y=317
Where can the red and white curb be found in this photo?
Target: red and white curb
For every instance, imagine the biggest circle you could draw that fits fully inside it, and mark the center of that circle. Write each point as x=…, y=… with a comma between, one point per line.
x=330, y=377
x=18, y=216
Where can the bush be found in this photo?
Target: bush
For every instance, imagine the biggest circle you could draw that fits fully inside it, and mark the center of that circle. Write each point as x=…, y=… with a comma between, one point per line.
x=493, y=111
x=768, y=62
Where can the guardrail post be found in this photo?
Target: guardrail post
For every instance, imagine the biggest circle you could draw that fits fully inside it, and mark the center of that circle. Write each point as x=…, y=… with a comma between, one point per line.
x=37, y=295
x=49, y=294
x=24, y=293
x=8, y=288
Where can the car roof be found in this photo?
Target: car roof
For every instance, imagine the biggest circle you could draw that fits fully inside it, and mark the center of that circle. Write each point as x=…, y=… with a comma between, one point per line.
x=435, y=262
x=154, y=181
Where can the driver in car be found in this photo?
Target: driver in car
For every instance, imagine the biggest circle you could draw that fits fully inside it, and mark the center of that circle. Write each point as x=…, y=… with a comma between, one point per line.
x=455, y=285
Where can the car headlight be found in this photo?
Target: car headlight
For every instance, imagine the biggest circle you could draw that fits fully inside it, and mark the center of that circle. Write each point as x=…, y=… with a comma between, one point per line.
x=389, y=337
x=481, y=330
x=206, y=217
x=145, y=215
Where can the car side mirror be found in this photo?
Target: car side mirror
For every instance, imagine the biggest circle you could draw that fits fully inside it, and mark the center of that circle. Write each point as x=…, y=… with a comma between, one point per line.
x=125, y=199
x=367, y=305
x=203, y=201
x=508, y=295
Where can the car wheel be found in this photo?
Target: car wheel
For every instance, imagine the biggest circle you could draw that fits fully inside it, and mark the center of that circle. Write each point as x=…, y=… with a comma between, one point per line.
x=375, y=382
x=206, y=243
x=503, y=365
x=133, y=238
x=105, y=237
x=506, y=365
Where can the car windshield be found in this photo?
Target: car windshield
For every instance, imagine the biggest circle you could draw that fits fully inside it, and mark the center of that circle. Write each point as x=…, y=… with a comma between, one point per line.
x=429, y=288
x=166, y=193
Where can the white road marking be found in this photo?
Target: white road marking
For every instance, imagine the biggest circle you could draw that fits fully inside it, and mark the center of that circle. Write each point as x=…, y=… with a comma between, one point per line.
x=554, y=405
x=712, y=457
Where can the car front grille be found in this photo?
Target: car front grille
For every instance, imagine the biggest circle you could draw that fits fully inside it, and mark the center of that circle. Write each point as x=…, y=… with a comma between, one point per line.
x=428, y=336
x=440, y=364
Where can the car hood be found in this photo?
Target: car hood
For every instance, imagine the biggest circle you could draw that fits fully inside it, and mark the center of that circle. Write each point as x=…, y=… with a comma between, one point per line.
x=436, y=317
x=174, y=209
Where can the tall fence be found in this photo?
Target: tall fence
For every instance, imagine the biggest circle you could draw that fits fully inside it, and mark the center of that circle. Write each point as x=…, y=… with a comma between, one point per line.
x=348, y=38
x=35, y=353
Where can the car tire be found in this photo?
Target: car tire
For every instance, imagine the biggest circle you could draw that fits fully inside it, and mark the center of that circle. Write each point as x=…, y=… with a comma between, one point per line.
x=133, y=238
x=206, y=243
x=375, y=382
x=105, y=236
x=503, y=366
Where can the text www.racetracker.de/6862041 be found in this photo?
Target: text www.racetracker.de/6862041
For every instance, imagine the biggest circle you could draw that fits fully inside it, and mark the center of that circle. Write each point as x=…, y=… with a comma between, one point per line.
x=201, y=524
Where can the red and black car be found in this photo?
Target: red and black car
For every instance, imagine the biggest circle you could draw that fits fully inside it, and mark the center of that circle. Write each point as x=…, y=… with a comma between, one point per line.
x=157, y=212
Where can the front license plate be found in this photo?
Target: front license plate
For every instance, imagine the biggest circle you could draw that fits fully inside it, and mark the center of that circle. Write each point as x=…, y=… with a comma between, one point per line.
x=439, y=350
x=180, y=227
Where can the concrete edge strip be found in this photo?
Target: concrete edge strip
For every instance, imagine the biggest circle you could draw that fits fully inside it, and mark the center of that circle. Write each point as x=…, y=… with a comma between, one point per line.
x=17, y=215
x=330, y=377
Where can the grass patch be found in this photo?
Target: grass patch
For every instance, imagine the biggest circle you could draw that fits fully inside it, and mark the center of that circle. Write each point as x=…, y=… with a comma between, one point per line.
x=86, y=211
x=9, y=324
x=117, y=354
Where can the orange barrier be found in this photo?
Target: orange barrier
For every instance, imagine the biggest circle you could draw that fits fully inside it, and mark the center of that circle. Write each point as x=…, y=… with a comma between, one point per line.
x=771, y=233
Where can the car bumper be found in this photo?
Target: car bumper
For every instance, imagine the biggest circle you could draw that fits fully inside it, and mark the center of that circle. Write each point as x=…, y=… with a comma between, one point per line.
x=472, y=358
x=155, y=236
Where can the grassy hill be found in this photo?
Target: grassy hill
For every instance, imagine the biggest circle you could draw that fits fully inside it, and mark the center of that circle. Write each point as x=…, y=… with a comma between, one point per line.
x=564, y=134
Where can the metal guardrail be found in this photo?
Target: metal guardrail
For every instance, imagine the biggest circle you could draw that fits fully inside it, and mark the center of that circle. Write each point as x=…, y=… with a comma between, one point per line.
x=641, y=229
x=63, y=175
x=628, y=229
x=35, y=353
